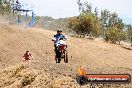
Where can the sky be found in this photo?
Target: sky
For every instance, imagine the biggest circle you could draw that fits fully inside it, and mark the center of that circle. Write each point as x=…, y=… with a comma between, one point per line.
x=68, y=8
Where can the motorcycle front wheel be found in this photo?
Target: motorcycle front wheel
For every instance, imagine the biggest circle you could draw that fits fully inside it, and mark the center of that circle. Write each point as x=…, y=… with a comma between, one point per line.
x=66, y=56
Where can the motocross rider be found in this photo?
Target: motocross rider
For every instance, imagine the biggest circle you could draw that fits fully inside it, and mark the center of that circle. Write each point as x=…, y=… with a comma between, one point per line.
x=59, y=36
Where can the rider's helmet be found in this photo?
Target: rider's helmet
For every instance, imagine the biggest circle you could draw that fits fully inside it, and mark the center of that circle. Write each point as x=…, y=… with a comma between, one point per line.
x=59, y=30
x=27, y=51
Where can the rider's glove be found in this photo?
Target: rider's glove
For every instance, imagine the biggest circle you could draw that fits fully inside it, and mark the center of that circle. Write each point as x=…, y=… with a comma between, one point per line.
x=53, y=39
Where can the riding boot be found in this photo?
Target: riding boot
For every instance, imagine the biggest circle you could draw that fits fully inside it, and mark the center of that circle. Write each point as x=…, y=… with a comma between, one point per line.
x=55, y=57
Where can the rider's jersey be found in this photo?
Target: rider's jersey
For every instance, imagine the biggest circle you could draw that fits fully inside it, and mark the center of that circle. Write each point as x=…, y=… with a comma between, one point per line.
x=27, y=56
x=58, y=37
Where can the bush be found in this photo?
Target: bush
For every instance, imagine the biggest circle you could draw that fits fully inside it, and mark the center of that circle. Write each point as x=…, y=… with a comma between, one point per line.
x=115, y=35
x=27, y=79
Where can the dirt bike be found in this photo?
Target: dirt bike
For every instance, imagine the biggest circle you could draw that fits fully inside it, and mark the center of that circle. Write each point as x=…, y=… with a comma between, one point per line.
x=61, y=52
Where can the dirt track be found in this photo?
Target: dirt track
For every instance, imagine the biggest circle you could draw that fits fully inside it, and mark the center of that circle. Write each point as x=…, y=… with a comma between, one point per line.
x=94, y=56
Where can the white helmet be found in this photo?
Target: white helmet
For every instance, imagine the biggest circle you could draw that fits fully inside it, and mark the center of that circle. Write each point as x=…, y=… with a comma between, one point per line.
x=59, y=30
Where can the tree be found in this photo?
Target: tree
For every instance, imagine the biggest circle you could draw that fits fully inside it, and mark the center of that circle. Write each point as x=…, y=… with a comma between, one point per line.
x=114, y=20
x=80, y=5
x=84, y=7
x=85, y=23
x=115, y=35
x=129, y=32
x=96, y=12
x=5, y=7
x=108, y=21
x=105, y=14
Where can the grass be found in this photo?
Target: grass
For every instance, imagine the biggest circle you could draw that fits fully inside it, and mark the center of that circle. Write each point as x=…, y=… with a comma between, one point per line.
x=27, y=79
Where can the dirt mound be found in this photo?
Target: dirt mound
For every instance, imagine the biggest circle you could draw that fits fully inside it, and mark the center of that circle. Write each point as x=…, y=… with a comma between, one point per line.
x=23, y=76
x=95, y=56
